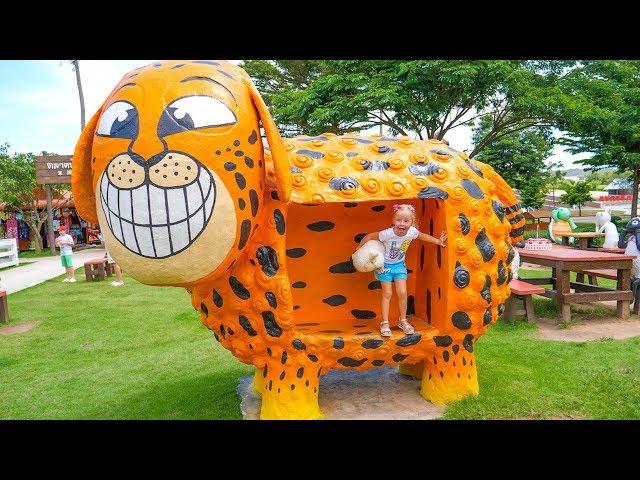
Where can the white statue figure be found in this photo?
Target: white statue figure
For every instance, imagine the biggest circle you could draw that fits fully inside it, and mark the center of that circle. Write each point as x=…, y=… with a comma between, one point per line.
x=369, y=257
x=630, y=241
x=515, y=264
x=604, y=224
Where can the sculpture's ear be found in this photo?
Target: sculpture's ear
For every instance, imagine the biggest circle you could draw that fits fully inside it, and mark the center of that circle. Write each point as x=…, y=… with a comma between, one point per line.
x=278, y=153
x=81, y=174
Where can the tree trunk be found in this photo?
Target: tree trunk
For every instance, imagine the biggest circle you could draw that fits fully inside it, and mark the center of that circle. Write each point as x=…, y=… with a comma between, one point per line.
x=634, y=200
x=35, y=236
x=77, y=69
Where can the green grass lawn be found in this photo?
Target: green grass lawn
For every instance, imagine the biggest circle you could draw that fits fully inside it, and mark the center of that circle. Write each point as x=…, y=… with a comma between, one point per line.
x=141, y=352
x=104, y=352
x=45, y=252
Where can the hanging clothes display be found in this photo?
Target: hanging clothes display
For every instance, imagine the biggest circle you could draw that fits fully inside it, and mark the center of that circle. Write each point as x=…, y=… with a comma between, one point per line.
x=66, y=219
x=11, y=227
x=23, y=230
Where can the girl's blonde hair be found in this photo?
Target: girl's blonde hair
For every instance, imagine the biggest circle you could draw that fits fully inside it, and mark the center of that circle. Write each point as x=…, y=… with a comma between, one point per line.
x=405, y=207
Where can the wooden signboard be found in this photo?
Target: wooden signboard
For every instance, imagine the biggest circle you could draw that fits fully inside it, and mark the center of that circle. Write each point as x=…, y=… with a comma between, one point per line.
x=53, y=169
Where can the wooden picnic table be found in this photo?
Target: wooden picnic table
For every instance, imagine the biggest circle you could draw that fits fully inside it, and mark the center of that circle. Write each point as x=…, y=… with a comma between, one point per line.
x=563, y=260
x=584, y=240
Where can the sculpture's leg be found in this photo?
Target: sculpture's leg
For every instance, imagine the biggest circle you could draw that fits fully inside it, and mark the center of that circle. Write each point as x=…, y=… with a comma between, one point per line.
x=289, y=392
x=258, y=381
x=445, y=382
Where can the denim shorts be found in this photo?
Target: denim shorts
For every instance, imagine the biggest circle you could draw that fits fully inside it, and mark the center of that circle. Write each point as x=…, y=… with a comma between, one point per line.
x=393, y=271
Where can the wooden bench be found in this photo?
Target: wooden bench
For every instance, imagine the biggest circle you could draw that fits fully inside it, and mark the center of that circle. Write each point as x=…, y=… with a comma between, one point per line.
x=4, y=307
x=521, y=290
x=97, y=268
x=612, y=250
x=594, y=273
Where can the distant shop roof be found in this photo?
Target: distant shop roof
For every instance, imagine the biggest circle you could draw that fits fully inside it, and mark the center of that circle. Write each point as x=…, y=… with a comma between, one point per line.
x=64, y=200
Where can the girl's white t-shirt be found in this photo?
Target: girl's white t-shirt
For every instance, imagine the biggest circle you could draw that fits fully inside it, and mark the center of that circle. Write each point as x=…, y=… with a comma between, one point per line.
x=395, y=247
x=66, y=248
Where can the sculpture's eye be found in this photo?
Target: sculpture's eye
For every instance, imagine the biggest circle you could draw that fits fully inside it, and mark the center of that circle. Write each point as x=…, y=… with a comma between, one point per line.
x=191, y=113
x=119, y=120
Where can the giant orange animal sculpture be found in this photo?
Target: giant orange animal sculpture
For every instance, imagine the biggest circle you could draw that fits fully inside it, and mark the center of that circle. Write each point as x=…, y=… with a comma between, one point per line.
x=174, y=168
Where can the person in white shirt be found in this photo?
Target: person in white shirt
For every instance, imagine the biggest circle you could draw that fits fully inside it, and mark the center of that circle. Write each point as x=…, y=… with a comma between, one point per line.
x=396, y=241
x=65, y=243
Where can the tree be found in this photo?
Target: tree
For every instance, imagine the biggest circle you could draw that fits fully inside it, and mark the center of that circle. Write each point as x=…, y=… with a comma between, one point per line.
x=76, y=68
x=577, y=193
x=555, y=179
x=532, y=193
x=426, y=98
x=603, y=117
x=279, y=83
x=19, y=190
x=520, y=158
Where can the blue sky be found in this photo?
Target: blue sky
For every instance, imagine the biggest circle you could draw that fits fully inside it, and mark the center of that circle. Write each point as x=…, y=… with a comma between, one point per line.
x=40, y=110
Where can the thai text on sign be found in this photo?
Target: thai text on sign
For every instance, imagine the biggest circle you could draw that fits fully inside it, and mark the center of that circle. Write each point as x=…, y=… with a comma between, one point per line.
x=52, y=169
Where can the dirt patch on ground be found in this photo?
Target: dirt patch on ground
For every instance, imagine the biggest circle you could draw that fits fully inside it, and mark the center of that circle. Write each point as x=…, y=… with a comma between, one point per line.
x=594, y=328
x=18, y=328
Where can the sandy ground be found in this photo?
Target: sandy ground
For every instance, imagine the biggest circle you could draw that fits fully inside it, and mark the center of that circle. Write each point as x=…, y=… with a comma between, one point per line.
x=589, y=328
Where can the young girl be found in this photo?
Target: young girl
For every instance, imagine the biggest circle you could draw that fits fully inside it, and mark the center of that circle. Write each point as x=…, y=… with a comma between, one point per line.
x=396, y=241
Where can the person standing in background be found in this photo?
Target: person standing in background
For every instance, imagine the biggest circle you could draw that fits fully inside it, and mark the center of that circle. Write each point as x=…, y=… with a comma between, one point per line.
x=65, y=243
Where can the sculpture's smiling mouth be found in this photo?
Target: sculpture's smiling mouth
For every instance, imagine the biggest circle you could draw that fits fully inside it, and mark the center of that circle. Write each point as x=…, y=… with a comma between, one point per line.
x=158, y=222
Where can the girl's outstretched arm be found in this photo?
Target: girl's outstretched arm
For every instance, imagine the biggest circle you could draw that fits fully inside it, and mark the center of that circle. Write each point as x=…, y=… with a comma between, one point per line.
x=429, y=239
x=369, y=236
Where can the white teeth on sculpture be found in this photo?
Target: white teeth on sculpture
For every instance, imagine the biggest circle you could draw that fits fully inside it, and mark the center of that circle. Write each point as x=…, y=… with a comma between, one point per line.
x=157, y=205
x=112, y=198
x=152, y=231
x=161, y=239
x=125, y=205
x=196, y=222
x=178, y=210
x=143, y=234
x=205, y=182
x=140, y=206
x=129, y=237
x=115, y=226
x=194, y=197
x=179, y=236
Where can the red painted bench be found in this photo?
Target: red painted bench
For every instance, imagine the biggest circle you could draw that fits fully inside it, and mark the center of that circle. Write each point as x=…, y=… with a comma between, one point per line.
x=594, y=273
x=611, y=250
x=97, y=268
x=521, y=290
x=4, y=307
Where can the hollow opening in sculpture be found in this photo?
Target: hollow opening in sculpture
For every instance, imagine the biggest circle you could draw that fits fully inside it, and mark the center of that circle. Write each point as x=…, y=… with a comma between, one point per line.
x=330, y=297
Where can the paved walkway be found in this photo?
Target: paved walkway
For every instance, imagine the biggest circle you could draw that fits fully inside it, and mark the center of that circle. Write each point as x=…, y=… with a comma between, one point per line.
x=41, y=269
x=375, y=394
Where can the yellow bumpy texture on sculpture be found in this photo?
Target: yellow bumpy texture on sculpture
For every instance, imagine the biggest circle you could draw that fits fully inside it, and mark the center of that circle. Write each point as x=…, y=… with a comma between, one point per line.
x=174, y=168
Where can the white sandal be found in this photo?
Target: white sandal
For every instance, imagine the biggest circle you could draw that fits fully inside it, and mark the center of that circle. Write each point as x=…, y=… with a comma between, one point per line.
x=406, y=327
x=385, y=331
